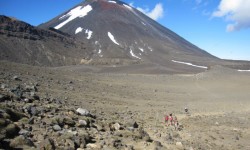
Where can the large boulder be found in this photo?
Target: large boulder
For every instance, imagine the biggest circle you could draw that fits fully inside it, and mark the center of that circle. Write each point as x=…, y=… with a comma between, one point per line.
x=4, y=97
x=14, y=115
x=131, y=124
x=69, y=121
x=116, y=126
x=47, y=144
x=21, y=142
x=57, y=128
x=11, y=130
x=83, y=112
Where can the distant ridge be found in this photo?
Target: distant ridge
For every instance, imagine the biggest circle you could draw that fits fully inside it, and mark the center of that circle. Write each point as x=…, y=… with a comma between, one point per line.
x=23, y=43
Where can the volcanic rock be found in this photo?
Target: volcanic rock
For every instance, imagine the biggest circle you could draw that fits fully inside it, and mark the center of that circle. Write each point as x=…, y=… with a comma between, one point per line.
x=20, y=142
x=83, y=112
x=57, y=128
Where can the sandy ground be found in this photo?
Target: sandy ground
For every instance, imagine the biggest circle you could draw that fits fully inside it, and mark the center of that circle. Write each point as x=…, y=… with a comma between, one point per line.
x=218, y=101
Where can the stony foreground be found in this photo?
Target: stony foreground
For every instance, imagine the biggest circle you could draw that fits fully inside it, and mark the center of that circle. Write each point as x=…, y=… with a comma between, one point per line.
x=30, y=121
x=58, y=108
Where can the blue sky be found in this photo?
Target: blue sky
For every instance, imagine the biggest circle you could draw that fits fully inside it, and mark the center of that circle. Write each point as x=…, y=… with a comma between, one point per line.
x=221, y=27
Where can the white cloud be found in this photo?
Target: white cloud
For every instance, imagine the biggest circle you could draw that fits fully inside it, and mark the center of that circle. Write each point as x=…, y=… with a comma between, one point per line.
x=155, y=13
x=236, y=11
x=131, y=4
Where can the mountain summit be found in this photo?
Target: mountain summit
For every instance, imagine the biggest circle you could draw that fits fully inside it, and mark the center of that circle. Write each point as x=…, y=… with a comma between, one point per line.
x=116, y=30
x=107, y=36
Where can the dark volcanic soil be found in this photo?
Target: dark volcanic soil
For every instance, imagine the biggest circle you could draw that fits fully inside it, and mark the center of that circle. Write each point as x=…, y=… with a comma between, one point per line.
x=23, y=43
x=125, y=111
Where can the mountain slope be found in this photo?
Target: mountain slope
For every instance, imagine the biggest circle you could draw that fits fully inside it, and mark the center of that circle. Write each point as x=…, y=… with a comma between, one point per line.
x=116, y=30
x=23, y=43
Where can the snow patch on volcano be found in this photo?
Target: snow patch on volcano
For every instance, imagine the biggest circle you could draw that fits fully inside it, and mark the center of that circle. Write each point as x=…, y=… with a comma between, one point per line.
x=143, y=23
x=112, y=38
x=127, y=6
x=89, y=32
x=79, y=29
x=133, y=55
x=141, y=49
x=189, y=64
x=113, y=2
x=79, y=11
x=244, y=70
x=100, y=51
x=150, y=49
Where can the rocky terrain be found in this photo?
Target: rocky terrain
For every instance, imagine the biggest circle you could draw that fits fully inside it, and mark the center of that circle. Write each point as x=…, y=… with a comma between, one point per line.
x=31, y=122
x=23, y=43
x=59, y=108
x=31, y=118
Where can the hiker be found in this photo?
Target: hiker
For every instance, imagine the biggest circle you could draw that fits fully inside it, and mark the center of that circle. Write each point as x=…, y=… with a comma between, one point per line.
x=187, y=111
x=171, y=119
x=176, y=123
x=166, y=120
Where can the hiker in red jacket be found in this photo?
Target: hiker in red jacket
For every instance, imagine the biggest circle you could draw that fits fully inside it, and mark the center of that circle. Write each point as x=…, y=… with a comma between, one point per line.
x=169, y=119
x=166, y=120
